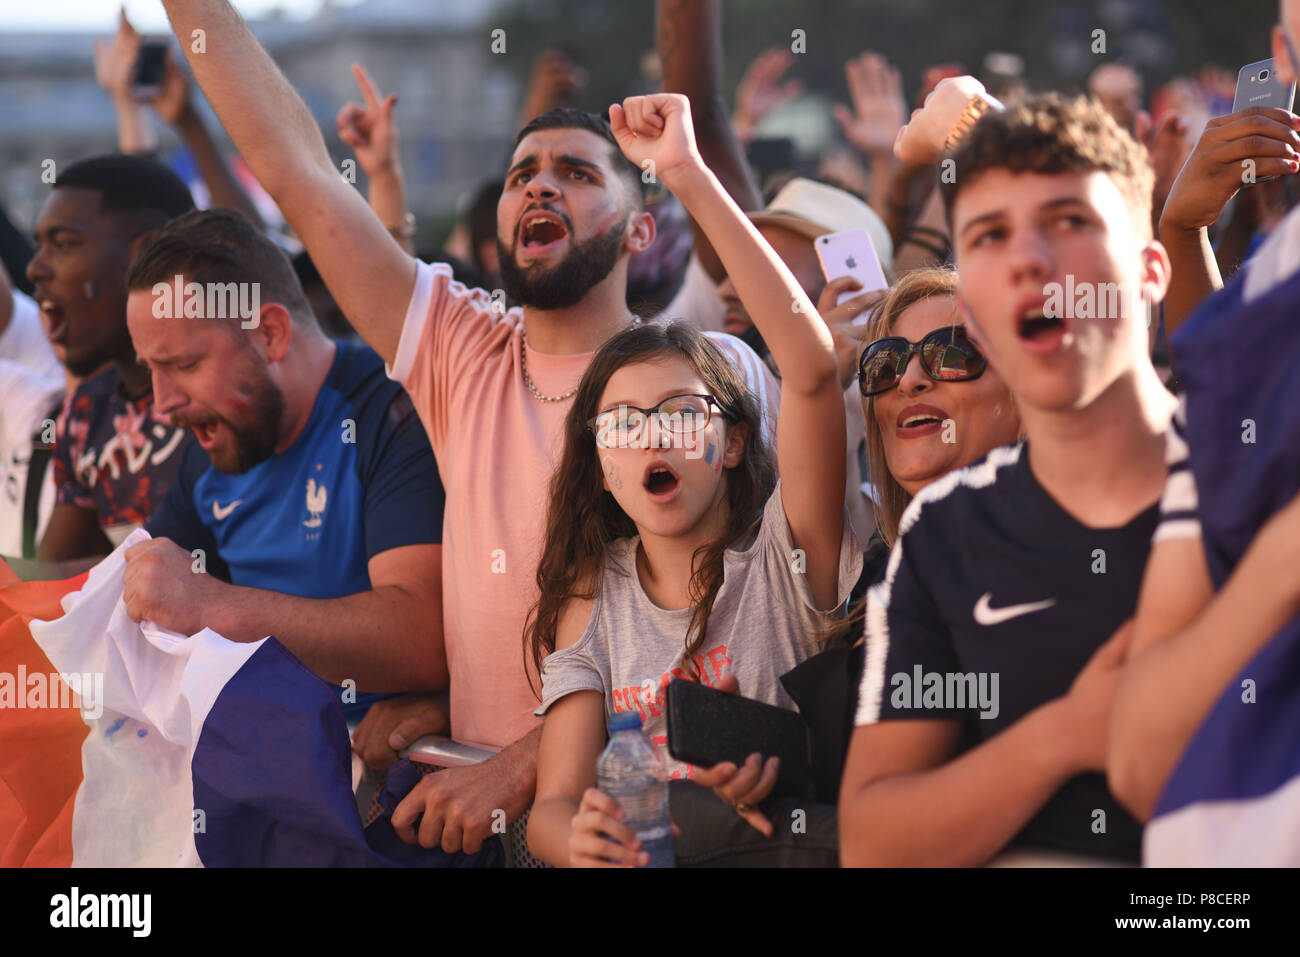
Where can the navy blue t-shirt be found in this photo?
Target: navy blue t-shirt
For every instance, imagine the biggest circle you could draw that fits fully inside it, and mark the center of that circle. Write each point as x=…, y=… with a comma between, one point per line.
x=994, y=599
x=358, y=481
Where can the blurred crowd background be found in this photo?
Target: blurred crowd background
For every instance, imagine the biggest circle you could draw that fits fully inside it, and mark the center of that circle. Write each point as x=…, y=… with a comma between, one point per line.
x=459, y=102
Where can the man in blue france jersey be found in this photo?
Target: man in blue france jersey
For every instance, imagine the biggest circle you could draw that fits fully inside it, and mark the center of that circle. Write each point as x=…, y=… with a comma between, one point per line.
x=311, y=497
x=994, y=642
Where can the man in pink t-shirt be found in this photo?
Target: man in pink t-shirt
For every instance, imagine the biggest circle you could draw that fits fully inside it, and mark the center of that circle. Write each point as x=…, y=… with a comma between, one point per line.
x=569, y=219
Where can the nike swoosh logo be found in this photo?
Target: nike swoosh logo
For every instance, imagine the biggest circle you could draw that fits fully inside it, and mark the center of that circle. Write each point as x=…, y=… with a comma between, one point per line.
x=219, y=513
x=985, y=615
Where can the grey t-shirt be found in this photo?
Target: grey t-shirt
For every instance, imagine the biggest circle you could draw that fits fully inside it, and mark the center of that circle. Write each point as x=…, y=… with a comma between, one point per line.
x=763, y=623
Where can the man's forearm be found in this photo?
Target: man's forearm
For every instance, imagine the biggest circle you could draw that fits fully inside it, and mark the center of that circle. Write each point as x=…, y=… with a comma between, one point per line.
x=387, y=639
x=267, y=120
x=964, y=812
x=689, y=42
x=1195, y=273
x=388, y=200
x=134, y=133
x=1166, y=691
x=223, y=188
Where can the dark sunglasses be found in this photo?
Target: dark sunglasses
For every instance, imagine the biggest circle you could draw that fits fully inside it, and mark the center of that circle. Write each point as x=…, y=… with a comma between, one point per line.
x=947, y=355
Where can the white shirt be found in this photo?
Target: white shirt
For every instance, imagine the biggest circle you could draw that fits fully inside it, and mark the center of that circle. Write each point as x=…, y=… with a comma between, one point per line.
x=24, y=342
x=26, y=399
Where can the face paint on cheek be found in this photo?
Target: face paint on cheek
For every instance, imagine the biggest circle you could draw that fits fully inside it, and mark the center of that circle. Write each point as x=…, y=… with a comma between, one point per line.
x=606, y=223
x=92, y=289
x=711, y=457
x=613, y=475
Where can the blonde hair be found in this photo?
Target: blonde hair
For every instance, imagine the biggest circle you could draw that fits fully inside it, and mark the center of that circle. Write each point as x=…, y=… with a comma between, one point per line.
x=916, y=286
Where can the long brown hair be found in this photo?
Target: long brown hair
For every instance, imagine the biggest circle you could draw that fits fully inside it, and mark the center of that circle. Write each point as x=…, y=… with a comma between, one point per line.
x=583, y=519
x=916, y=286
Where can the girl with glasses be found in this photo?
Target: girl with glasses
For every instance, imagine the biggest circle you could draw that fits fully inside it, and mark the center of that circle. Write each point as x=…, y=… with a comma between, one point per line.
x=671, y=549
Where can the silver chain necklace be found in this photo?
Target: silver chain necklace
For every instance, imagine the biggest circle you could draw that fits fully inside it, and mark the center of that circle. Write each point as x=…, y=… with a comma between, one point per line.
x=528, y=380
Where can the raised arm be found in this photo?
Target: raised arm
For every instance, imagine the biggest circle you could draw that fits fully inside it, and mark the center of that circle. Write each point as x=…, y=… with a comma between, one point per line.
x=369, y=275
x=688, y=35
x=175, y=107
x=1233, y=150
x=372, y=134
x=810, y=427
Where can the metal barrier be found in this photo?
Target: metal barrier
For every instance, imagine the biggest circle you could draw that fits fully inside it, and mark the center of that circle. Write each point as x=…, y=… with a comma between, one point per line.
x=438, y=752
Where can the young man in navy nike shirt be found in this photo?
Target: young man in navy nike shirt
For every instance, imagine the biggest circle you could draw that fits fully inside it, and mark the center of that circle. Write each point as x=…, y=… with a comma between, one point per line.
x=311, y=489
x=995, y=640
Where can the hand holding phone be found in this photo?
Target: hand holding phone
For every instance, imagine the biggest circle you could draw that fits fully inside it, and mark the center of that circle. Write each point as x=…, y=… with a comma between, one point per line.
x=150, y=69
x=1258, y=85
x=851, y=253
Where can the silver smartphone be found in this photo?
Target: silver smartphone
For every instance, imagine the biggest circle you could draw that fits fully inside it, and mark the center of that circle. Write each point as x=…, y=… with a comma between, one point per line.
x=1258, y=85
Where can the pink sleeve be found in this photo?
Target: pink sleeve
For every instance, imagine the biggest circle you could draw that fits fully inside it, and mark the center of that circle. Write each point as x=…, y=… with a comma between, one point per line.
x=447, y=330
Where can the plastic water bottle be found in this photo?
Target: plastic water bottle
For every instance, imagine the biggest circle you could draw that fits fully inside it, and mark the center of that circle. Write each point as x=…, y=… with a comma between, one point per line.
x=629, y=771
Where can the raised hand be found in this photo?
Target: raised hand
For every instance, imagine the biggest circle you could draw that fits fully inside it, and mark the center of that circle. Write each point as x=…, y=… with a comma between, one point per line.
x=1263, y=141
x=761, y=91
x=555, y=81
x=654, y=132
x=878, y=107
x=370, y=129
x=174, y=100
x=847, y=322
x=921, y=141
x=115, y=60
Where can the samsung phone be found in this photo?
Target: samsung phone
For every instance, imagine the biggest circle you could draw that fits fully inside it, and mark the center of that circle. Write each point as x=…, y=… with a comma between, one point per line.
x=1258, y=85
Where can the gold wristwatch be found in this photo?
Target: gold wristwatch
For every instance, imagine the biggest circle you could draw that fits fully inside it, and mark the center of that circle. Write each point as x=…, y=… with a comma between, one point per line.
x=405, y=229
x=979, y=104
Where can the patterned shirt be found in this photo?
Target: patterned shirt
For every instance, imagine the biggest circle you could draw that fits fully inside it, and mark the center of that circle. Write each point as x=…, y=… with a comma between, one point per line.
x=115, y=455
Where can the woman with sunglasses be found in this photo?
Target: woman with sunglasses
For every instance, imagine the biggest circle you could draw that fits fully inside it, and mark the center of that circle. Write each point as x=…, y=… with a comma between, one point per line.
x=932, y=405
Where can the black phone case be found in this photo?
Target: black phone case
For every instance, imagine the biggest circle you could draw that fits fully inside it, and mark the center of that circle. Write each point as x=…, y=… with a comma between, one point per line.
x=707, y=727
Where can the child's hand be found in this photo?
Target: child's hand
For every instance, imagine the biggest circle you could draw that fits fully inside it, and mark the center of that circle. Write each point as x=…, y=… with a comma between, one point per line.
x=744, y=787
x=589, y=847
x=655, y=133
x=847, y=322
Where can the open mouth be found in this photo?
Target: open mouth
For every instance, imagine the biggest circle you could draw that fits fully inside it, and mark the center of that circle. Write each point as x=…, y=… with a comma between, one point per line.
x=916, y=421
x=660, y=480
x=1034, y=325
x=205, y=433
x=56, y=324
x=540, y=229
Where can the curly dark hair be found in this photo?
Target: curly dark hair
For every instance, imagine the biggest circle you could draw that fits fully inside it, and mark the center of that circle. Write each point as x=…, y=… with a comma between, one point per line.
x=1054, y=134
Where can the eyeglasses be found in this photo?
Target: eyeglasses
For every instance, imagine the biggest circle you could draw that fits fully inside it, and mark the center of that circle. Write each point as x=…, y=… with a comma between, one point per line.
x=947, y=355
x=630, y=426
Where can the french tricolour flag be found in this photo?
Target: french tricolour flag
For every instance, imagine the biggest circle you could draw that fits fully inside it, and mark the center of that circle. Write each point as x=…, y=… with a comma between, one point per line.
x=1234, y=798
x=178, y=750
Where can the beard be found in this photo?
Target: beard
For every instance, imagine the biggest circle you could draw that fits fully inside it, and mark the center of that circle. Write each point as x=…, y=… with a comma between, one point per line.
x=564, y=285
x=252, y=442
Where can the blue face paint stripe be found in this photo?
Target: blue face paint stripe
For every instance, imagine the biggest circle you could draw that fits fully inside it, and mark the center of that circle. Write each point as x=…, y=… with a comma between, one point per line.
x=708, y=454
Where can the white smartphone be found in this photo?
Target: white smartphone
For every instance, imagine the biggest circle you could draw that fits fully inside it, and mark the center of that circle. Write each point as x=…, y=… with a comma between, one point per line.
x=851, y=253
